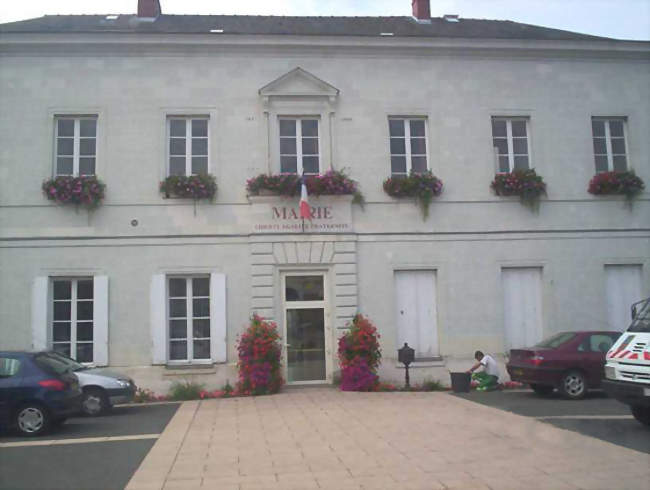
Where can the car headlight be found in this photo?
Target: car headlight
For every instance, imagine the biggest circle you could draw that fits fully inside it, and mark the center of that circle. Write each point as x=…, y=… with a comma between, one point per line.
x=123, y=383
x=610, y=372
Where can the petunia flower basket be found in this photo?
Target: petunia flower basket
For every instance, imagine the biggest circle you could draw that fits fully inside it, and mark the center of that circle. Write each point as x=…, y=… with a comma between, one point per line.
x=359, y=356
x=331, y=183
x=616, y=183
x=202, y=186
x=523, y=183
x=423, y=186
x=87, y=190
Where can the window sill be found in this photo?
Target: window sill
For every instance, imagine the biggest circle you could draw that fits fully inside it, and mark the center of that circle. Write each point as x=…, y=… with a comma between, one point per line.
x=433, y=362
x=187, y=369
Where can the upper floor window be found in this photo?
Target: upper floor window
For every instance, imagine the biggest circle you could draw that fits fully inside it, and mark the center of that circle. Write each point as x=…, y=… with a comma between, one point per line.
x=72, y=317
x=76, y=145
x=510, y=138
x=609, y=143
x=408, y=145
x=188, y=145
x=299, y=145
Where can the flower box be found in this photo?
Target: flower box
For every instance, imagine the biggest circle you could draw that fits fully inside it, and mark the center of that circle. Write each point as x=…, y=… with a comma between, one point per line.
x=203, y=186
x=623, y=183
x=421, y=186
x=523, y=183
x=87, y=190
x=331, y=183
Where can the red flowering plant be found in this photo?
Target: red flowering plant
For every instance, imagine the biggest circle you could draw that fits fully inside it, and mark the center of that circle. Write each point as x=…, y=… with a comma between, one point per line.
x=359, y=356
x=201, y=186
x=423, y=186
x=523, y=183
x=259, y=358
x=331, y=183
x=625, y=183
x=87, y=190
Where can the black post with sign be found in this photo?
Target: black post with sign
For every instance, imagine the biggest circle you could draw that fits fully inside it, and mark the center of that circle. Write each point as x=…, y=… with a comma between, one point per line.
x=406, y=355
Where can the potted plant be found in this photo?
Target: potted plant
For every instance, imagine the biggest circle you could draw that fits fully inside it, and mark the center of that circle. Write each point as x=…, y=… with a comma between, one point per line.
x=423, y=186
x=259, y=358
x=201, y=186
x=359, y=355
x=86, y=190
x=625, y=183
x=523, y=183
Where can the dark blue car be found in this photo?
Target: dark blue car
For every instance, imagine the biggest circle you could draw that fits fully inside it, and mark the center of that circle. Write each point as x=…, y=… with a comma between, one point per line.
x=36, y=392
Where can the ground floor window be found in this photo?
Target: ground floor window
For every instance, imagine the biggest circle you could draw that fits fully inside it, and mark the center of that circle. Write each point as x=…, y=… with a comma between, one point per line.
x=189, y=318
x=72, y=317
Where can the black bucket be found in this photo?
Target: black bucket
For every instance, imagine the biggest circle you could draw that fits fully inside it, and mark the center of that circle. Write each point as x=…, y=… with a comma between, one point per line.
x=460, y=382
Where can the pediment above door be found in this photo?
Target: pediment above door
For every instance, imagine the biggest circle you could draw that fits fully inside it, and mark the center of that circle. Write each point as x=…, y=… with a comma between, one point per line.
x=298, y=84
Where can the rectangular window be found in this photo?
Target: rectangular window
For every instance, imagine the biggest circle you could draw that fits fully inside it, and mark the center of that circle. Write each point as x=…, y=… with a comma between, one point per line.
x=189, y=318
x=188, y=145
x=609, y=143
x=510, y=140
x=76, y=145
x=408, y=145
x=299, y=146
x=522, y=306
x=72, y=318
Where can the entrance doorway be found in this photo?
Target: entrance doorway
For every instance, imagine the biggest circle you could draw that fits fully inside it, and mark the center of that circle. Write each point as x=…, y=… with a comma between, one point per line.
x=304, y=299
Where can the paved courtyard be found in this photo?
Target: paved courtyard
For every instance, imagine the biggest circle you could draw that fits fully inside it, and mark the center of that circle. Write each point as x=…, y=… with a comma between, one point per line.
x=323, y=438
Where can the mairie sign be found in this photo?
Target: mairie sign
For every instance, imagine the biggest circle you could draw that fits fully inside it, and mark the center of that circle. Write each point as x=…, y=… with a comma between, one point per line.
x=329, y=214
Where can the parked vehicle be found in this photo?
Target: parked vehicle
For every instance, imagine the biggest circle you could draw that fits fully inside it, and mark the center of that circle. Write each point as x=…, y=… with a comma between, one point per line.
x=35, y=392
x=102, y=388
x=572, y=362
x=627, y=371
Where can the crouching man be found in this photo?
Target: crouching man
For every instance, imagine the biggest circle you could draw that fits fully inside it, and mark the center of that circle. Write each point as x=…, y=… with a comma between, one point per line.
x=488, y=378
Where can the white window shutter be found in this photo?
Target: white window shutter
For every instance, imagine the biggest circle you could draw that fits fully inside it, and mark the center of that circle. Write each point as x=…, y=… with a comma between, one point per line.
x=39, y=313
x=157, y=300
x=100, y=320
x=218, y=350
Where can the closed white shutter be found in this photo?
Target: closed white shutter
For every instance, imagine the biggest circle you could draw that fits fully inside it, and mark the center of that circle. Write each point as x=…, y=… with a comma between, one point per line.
x=100, y=320
x=623, y=285
x=218, y=332
x=522, y=306
x=417, y=312
x=158, y=319
x=39, y=313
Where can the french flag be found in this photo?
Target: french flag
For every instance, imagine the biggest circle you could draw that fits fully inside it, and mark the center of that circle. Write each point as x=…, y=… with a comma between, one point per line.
x=305, y=210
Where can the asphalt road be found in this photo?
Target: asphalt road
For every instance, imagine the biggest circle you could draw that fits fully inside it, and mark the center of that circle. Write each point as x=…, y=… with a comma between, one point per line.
x=595, y=416
x=67, y=464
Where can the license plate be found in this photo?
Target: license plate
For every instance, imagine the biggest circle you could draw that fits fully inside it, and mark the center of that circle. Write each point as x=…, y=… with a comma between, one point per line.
x=646, y=391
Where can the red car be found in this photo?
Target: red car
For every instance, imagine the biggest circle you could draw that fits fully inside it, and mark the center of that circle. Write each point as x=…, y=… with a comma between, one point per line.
x=572, y=362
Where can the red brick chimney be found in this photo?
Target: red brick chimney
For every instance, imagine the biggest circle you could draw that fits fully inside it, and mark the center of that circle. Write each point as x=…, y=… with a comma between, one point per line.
x=149, y=8
x=421, y=9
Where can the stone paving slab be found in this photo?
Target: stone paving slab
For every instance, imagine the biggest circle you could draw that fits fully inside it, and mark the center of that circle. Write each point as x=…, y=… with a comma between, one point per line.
x=322, y=438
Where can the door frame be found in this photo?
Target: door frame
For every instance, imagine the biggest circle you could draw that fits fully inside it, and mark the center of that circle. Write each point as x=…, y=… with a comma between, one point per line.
x=327, y=328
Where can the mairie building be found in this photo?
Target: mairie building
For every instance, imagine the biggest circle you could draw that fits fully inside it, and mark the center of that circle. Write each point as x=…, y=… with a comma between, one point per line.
x=160, y=285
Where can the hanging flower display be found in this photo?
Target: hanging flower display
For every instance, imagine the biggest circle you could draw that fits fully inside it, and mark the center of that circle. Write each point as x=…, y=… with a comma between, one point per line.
x=523, y=183
x=423, y=186
x=87, y=190
x=202, y=186
x=624, y=183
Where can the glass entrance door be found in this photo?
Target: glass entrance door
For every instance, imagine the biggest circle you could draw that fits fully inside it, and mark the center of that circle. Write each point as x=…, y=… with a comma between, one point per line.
x=304, y=300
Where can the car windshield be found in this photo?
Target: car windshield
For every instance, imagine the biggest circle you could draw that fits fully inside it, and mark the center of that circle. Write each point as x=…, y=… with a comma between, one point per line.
x=556, y=340
x=642, y=321
x=71, y=364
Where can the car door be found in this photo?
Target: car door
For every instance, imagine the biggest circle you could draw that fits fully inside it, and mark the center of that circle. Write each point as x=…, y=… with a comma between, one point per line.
x=593, y=350
x=9, y=382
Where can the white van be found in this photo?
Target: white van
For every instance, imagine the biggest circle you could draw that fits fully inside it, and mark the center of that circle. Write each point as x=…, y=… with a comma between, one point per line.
x=627, y=365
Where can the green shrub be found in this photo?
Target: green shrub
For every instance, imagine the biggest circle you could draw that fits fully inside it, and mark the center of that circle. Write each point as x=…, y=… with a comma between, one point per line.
x=185, y=390
x=433, y=385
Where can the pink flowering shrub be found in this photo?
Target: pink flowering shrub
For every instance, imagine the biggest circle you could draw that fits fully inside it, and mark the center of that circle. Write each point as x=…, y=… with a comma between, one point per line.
x=331, y=183
x=359, y=356
x=202, y=186
x=87, y=190
x=423, y=186
x=259, y=358
x=625, y=183
x=523, y=183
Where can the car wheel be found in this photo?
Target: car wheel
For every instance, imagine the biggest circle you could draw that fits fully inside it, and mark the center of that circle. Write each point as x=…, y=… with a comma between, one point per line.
x=32, y=420
x=94, y=402
x=542, y=390
x=642, y=414
x=574, y=385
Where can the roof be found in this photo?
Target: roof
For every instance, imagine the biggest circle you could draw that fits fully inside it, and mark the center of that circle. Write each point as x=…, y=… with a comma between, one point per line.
x=298, y=26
